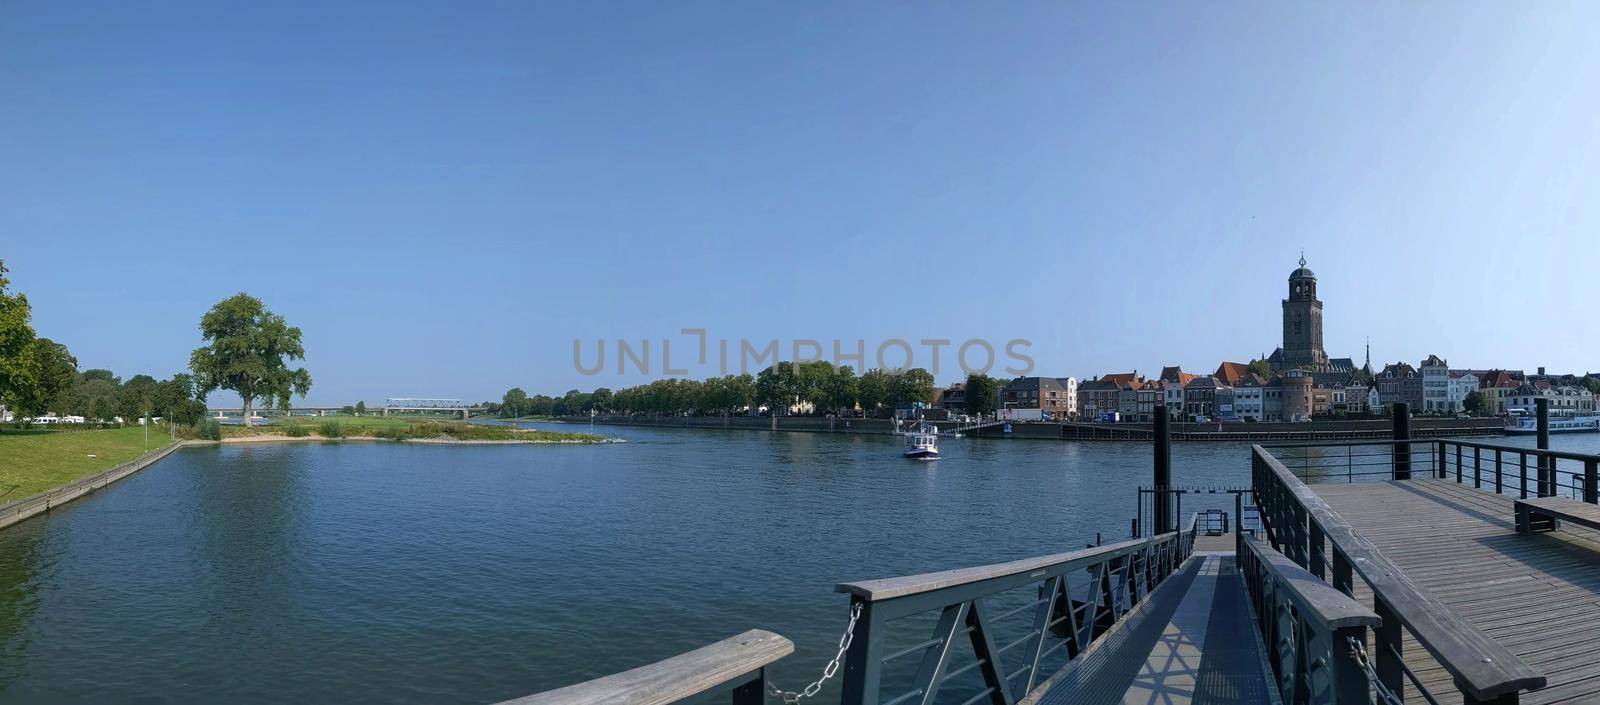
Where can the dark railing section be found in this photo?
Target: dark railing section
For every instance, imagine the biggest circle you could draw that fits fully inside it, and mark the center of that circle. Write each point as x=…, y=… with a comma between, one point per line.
x=1355, y=461
x=1301, y=526
x=741, y=660
x=1524, y=472
x=1314, y=634
x=1013, y=622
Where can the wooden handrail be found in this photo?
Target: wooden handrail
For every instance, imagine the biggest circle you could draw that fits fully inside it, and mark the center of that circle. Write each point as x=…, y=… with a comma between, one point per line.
x=676, y=678
x=889, y=588
x=1329, y=607
x=1480, y=666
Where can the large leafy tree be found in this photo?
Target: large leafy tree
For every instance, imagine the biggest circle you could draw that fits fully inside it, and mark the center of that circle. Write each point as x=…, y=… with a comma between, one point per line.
x=55, y=371
x=913, y=385
x=514, y=403
x=17, y=385
x=174, y=400
x=93, y=398
x=873, y=389
x=982, y=394
x=136, y=397
x=248, y=353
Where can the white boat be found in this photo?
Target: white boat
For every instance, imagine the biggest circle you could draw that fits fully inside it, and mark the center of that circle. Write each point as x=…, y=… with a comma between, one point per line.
x=922, y=444
x=1527, y=424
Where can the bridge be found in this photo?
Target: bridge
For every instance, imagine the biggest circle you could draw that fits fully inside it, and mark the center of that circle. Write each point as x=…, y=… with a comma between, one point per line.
x=422, y=404
x=1371, y=572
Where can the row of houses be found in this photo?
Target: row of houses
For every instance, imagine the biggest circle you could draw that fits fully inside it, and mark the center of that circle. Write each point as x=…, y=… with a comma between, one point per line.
x=1236, y=392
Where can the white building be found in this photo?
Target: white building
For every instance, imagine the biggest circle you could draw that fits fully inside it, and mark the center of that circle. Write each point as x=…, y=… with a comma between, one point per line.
x=1173, y=395
x=1435, y=384
x=1248, y=402
x=1461, y=384
x=1564, y=400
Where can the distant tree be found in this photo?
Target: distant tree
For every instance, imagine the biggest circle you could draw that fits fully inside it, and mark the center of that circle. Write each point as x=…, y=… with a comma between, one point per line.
x=873, y=390
x=361, y=408
x=983, y=394
x=136, y=397
x=1474, y=403
x=1260, y=368
x=601, y=399
x=540, y=405
x=910, y=386
x=175, y=401
x=106, y=375
x=93, y=398
x=514, y=403
x=348, y=410
x=778, y=387
x=843, y=389
x=1592, y=384
x=17, y=385
x=248, y=353
x=55, y=372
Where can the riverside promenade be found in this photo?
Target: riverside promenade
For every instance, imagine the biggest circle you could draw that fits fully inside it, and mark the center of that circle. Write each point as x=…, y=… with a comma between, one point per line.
x=1399, y=570
x=1231, y=432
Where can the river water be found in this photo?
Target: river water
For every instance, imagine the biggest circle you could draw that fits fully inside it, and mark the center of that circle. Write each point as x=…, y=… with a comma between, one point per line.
x=377, y=572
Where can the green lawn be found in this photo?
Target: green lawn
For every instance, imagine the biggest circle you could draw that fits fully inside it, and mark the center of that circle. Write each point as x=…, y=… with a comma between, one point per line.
x=347, y=421
x=32, y=462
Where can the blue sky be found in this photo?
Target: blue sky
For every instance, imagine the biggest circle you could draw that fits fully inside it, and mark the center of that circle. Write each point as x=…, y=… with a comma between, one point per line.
x=444, y=196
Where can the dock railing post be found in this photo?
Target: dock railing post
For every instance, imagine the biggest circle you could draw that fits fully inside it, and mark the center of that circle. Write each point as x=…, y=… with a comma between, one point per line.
x=864, y=662
x=1164, y=521
x=1402, y=432
x=1547, y=470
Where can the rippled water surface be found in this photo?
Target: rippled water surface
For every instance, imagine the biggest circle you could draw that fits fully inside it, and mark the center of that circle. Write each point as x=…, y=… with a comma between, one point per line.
x=369, y=572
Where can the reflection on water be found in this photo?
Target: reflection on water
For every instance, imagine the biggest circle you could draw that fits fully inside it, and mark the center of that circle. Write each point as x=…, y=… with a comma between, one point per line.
x=390, y=573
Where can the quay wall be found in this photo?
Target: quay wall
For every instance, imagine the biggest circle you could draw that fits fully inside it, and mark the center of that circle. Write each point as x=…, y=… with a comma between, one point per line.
x=1315, y=430
x=13, y=512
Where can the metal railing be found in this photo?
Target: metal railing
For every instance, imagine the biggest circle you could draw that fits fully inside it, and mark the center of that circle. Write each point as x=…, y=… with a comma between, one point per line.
x=1355, y=461
x=1302, y=527
x=1525, y=472
x=740, y=659
x=1070, y=599
x=1315, y=635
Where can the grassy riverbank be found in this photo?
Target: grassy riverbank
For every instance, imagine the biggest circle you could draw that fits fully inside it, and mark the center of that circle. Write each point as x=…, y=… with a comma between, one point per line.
x=34, y=461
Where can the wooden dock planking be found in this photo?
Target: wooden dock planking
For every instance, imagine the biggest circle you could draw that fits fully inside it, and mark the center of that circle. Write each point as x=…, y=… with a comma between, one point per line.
x=1537, y=594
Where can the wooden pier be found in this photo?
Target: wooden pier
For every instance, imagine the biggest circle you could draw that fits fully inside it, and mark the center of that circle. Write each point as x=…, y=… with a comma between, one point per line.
x=1537, y=594
x=1372, y=572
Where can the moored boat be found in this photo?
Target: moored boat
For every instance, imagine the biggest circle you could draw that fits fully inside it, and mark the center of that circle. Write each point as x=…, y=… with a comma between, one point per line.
x=1527, y=424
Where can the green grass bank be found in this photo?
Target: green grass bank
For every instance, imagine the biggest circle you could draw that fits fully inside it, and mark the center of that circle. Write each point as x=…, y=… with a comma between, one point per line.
x=34, y=461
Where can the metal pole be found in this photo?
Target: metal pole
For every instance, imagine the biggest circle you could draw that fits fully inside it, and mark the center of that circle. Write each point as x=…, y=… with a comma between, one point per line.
x=1547, y=480
x=1402, y=432
x=1163, y=475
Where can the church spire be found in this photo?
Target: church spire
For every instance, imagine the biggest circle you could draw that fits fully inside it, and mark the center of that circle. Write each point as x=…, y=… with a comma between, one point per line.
x=1302, y=256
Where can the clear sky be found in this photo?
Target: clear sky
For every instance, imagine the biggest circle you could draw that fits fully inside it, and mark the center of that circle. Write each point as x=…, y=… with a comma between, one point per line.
x=443, y=196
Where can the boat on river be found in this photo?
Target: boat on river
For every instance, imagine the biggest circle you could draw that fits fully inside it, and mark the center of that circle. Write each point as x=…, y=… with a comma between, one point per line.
x=923, y=443
x=1526, y=424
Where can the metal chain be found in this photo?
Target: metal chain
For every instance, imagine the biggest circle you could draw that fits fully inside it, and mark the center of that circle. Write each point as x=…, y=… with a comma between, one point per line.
x=1358, y=651
x=849, y=635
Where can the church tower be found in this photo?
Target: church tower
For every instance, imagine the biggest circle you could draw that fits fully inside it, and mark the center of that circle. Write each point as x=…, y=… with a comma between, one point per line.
x=1302, y=323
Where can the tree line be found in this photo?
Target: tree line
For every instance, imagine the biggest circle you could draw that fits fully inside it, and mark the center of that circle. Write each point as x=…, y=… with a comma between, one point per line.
x=814, y=388
x=246, y=352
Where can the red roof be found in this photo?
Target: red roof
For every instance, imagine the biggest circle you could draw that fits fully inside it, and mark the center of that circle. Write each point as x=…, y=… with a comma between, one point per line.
x=1232, y=372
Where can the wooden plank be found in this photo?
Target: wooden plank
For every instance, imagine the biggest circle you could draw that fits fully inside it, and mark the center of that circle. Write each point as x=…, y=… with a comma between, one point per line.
x=675, y=678
x=1479, y=664
x=1538, y=595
